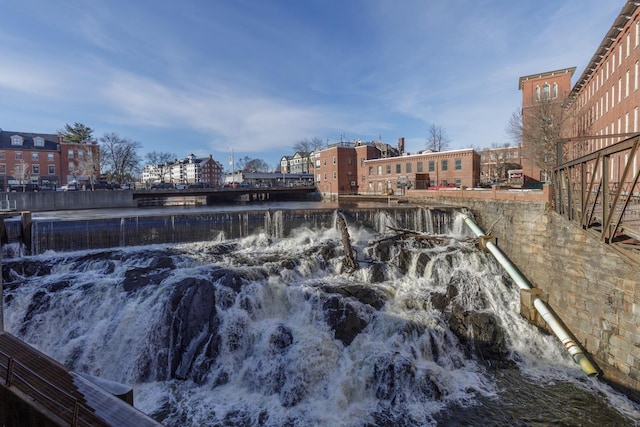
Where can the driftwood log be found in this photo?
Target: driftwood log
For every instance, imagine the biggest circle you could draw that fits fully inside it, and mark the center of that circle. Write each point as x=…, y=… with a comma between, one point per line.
x=349, y=261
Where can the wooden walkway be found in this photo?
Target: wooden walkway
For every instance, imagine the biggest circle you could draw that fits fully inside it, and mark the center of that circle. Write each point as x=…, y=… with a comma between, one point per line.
x=62, y=396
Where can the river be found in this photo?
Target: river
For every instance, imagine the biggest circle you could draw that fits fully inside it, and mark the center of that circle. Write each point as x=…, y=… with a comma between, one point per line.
x=272, y=331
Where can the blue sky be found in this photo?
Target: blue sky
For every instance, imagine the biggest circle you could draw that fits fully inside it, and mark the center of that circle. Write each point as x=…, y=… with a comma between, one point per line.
x=205, y=76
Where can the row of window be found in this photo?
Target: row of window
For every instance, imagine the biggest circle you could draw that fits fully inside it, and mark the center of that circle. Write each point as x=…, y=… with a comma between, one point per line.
x=444, y=166
x=608, y=67
x=35, y=169
x=38, y=141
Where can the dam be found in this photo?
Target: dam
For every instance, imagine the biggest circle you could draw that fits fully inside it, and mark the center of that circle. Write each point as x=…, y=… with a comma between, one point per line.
x=430, y=327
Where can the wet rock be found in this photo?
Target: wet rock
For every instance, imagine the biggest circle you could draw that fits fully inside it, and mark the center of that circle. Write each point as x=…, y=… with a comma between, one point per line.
x=364, y=294
x=481, y=331
x=280, y=339
x=378, y=272
x=228, y=278
x=344, y=318
x=421, y=263
x=13, y=271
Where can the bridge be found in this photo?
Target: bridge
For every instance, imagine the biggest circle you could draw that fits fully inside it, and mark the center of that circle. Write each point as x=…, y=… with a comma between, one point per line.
x=212, y=195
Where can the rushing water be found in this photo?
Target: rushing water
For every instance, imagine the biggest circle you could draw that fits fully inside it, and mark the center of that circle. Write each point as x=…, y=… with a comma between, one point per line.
x=271, y=331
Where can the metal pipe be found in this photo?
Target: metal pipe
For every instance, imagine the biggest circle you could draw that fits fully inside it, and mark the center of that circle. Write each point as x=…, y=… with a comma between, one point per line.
x=563, y=335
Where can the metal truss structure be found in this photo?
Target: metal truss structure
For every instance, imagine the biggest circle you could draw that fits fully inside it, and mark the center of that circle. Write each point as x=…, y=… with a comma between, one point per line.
x=600, y=189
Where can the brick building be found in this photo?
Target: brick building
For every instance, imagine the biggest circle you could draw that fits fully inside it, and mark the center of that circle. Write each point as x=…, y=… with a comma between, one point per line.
x=606, y=97
x=375, y=168
x=46, y=160
x=548, y=88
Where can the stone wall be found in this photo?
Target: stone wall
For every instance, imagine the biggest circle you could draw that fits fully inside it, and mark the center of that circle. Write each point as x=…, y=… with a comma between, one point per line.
x=593, y=288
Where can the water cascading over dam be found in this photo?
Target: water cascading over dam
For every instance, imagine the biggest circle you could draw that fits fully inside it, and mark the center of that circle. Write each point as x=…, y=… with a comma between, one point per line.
x=268, y=328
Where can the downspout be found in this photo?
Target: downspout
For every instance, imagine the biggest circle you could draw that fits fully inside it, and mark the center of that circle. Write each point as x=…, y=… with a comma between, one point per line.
x=569, y=343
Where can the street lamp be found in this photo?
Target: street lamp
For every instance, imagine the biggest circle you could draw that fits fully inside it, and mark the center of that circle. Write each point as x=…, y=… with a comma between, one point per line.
x=232, y=163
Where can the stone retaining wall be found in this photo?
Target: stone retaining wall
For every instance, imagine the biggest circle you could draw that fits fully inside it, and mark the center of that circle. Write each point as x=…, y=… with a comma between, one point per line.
x=592, y=287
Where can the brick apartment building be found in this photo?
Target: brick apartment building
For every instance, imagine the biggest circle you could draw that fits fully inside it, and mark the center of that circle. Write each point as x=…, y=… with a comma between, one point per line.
x=375, y=168
x=603, y=103
x=46, y=160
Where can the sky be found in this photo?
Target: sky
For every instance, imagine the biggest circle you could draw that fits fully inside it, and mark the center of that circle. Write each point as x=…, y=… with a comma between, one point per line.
x=250, y=78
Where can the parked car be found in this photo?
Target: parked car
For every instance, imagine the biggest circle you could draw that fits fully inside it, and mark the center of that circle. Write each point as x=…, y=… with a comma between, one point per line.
x=68, y=187
x=245, y=184
x=103, y=185
x=181, y=186
x=24, y=187
x=199, y=185
x=232, y=185
x=162, y=186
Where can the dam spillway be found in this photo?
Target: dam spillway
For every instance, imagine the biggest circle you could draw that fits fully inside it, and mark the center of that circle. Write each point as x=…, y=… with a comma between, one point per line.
x=71, y=234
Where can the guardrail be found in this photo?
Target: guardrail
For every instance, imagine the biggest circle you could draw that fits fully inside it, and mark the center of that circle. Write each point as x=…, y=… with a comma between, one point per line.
x=63, y=405
x=600, y=190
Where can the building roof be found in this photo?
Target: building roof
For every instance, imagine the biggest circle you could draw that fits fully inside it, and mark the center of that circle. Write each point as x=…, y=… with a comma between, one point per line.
x=50, y=140
x=618, y=25
x=521, y=81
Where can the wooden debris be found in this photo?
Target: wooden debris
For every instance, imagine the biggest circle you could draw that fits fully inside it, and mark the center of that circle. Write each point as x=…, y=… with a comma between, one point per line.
x=349, y=261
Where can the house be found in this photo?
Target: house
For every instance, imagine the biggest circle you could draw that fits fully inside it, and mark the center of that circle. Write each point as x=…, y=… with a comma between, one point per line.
x=46, y=160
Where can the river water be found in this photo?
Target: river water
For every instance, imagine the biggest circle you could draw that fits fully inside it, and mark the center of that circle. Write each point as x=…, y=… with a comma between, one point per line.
x=272, y=331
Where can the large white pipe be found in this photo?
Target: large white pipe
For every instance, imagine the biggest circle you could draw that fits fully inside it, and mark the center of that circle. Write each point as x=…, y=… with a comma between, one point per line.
x=565, y=337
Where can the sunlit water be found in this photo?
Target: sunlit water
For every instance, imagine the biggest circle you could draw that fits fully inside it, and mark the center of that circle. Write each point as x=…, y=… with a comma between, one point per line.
x=274, y=332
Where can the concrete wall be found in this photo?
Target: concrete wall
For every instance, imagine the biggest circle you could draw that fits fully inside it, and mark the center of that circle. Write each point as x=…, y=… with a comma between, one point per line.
x=64, y=200
x=592, y=287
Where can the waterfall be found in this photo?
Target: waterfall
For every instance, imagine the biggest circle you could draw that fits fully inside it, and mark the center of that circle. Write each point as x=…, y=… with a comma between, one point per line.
x=266, y=330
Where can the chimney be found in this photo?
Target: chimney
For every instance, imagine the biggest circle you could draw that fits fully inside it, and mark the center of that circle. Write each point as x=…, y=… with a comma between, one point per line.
x=401, y=144
x=59, y=138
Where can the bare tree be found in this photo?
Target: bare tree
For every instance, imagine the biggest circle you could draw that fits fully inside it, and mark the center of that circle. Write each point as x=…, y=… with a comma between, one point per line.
x=76, y=133
x=247, y=164
x=89, y=167
x=119, y=157
x=161, y=160
x=21, y=172
x=306, y=146
x=539, y=128
x=437, y=139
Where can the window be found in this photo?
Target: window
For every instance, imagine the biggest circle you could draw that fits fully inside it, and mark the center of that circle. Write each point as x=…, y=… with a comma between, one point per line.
x=72, y=166
x=18, y=155
x=35, y=169
x=370, y=170
x=545, y=91
x=325, y=176
x=34, y=157
x=81, y=155
x=407, y=168
x=445, y=165
x=626, y=86
x=16, y=140
x=2, y=155
x=38, y=141
x=432, y=166
x=379, y=170
x=398, y=168
x=3, y=168
x=555, y=90
x=18, y=169
x=334, y=160
x=70, y=154
x=388, y=169
x=458, y=165
x=537, y=93
x=318, y=178
x=335, y=175
x=419, y=167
